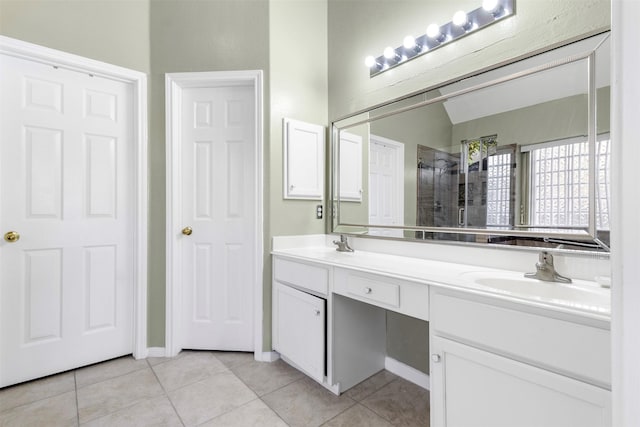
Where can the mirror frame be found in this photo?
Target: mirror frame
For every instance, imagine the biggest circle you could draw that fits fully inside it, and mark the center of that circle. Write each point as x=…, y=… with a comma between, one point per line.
x=587, y=235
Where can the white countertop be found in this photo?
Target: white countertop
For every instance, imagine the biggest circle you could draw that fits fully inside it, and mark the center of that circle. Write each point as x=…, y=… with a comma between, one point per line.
x=582, y=297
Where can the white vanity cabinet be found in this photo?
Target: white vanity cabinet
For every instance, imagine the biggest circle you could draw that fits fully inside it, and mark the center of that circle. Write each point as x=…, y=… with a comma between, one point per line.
x=299, y=315
x=493, y=364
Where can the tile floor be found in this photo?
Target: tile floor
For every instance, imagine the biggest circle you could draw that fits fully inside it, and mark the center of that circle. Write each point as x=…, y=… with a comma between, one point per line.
x=202, y=388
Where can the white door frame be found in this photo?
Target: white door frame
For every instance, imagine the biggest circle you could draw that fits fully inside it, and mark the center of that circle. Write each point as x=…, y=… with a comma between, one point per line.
x=138, y=80
x=174, y=85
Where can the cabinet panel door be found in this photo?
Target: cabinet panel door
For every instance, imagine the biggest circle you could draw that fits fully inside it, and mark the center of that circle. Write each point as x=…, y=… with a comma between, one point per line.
x=299, y=329
x=303, y=160
x=471, y=387
x=350, y=167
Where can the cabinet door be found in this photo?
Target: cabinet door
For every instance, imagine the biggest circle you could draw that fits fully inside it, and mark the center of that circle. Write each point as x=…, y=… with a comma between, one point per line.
x=350, y=167
x=471, y=387
x=303, y=160
x=299, y=329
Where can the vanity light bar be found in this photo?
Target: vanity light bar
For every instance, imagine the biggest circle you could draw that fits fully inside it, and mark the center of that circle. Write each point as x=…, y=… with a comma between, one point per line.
x=436, y=35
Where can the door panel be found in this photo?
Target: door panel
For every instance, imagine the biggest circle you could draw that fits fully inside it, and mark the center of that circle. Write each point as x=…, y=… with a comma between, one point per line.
x=66, y=173
x=386, y=194
x=218, y=198
x=299, y=323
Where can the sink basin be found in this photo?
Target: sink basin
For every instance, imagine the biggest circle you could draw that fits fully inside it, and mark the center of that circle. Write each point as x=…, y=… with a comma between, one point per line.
x=580, y=294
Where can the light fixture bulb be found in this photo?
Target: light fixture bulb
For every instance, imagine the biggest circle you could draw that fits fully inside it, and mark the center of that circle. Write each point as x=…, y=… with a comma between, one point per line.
x=433, y=31
x=369, y=61
x=489, y=5
x=460, y=18
x=389, y=52
x=409, y=42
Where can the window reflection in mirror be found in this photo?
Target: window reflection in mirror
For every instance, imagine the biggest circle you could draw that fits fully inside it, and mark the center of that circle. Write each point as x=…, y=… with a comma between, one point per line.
x=514, y=155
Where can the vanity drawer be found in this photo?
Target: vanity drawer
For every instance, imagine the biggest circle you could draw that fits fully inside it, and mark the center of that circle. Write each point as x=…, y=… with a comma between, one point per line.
x=374, y=290
x=398, y=295
x=300, y=275
x=570, y=348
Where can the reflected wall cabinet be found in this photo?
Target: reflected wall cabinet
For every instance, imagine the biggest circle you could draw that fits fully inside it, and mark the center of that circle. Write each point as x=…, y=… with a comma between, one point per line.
x=350, y=167
x=303, y=147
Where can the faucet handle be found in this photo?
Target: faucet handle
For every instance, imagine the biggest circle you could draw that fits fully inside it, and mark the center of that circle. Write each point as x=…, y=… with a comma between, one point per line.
x=545, y=258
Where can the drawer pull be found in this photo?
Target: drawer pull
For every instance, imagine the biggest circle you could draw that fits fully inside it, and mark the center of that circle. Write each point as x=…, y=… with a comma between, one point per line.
x=367, y=290
x=317, y=312
x=435, y=358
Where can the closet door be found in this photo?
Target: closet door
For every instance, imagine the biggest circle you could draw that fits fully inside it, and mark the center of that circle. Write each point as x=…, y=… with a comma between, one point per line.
x=67, y=217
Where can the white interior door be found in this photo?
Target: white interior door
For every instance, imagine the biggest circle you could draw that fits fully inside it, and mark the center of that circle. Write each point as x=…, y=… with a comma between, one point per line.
x=66, y=170
x=386, y=185
x=218, y=205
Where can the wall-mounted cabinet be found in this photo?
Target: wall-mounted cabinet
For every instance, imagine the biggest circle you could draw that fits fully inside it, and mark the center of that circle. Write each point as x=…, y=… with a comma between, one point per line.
x=303, y=160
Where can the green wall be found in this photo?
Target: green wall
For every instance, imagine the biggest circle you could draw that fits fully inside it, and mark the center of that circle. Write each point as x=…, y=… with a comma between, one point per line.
x=116, y=32
x=299, y=90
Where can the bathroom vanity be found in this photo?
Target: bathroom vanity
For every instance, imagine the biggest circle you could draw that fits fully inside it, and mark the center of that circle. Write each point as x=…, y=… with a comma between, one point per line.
x=504, y=350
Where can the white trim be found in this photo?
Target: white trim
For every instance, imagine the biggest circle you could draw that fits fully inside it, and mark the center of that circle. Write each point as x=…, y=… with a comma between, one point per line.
x=625, y=229
x=267, y=356
x=407, y=372
x=156, y=352
x=138, y=80
x=174, y=84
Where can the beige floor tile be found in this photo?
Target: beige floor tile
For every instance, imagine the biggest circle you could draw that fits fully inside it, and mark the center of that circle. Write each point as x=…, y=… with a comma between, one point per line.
x=32, y=391
x=193, y=367
x=158, y=360
x=253, y=414
x=153, y=412
x=265, y=377
x=207, y=399
x=106, y=397
x=401, y=403
x=306, y=403
x=107, y=370
x=232, y=359
x=54, y=411
x=369, y=386
x=357, y=416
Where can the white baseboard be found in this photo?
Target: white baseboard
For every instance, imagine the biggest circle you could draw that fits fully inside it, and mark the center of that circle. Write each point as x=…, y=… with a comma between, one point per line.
x=407, y=372
x=156, y=352
x=267, y=356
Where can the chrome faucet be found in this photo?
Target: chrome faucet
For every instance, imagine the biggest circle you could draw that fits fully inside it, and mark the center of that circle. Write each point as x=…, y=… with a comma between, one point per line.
x=343, y=244
x=546, y=271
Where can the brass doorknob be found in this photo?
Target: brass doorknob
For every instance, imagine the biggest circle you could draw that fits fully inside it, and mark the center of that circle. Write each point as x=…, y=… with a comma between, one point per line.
x=12, y=236
x=187, y=231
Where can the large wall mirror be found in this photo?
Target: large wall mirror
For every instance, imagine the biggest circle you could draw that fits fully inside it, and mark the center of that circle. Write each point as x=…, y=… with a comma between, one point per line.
x=518, y=155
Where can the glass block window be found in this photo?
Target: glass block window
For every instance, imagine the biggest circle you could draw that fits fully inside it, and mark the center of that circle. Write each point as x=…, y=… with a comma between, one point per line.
x=560, y=184
x=603, y=195
x=499, y=189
